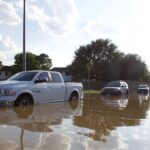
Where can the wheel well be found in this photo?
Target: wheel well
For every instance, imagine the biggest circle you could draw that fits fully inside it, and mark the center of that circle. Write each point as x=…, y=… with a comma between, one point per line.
x=26, y=94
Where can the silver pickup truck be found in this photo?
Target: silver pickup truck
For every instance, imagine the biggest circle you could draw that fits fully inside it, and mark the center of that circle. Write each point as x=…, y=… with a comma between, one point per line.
x=38, y=86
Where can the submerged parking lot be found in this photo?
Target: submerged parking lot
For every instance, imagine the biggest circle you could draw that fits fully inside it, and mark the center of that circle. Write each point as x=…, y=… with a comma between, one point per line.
x=97, y=122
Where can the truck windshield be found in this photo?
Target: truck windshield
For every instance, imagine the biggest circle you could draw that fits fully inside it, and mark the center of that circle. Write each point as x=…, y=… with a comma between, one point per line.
x=114, y=84
x=23, y=76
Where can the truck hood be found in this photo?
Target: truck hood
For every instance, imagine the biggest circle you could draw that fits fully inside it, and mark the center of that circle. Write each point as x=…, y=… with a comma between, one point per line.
x=9, y=84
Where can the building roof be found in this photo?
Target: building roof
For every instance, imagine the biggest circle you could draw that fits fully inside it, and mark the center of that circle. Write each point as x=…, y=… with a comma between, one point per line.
x=59, y=69
x=5, y=68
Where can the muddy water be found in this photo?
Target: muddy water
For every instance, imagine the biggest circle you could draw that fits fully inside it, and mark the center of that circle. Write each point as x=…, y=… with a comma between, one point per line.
x=94, y=123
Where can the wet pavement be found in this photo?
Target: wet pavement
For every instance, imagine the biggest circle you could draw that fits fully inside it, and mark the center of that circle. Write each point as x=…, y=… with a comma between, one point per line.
x=95, y=123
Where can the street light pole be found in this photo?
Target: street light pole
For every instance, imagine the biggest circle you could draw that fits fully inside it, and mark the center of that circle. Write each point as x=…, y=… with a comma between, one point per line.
x=24, y=35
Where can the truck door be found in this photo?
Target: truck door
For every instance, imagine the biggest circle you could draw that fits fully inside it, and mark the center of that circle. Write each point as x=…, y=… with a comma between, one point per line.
x=41, y=89
x=58, y=87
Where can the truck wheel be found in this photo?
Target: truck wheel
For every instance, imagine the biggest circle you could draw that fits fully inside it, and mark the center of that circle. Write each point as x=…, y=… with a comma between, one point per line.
x=74, y=97
x=24, y=100
x=74, y=101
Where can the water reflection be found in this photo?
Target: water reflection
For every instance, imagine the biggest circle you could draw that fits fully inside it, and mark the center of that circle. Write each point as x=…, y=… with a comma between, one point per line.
x=116, y=102
x=35, y=119
x=39, y=118
x=104, y=114
x=143, y=97
x=89, y=124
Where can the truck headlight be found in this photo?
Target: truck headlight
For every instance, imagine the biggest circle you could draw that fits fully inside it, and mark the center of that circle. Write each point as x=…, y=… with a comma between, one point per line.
x=7, y=92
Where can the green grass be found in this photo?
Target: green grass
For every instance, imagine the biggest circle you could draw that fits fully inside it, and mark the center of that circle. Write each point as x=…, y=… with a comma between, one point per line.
x=91, y=91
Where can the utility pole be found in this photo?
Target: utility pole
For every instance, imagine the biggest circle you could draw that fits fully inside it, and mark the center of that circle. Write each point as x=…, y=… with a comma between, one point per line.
x=21, y=139
x=24, y=35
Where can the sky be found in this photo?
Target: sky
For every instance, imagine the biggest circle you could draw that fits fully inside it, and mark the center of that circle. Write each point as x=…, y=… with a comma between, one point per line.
x=59, y=27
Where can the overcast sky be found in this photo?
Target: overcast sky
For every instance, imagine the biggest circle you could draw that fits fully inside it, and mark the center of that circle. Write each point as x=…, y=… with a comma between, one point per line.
x=59, y=27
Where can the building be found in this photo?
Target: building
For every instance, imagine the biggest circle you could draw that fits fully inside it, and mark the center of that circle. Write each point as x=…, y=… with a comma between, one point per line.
x=5, y=72
x=65, y=74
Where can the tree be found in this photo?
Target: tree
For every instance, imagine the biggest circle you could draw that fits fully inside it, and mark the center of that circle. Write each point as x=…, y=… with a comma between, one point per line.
x=33, y=62
x=1, y=64
x=98, y=55
x=133, y=68
x=45, y=61
x=103, y=61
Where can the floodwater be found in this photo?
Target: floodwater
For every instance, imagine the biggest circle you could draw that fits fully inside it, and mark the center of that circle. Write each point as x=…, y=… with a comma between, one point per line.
x=95, y=123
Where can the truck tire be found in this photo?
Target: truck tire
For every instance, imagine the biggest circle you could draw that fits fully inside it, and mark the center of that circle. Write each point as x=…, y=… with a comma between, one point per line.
x=24, y=100
x=74, y=96
x=74, y=100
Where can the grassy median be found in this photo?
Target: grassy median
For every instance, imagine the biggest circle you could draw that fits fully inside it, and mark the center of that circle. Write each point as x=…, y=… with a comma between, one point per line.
x=91, y=91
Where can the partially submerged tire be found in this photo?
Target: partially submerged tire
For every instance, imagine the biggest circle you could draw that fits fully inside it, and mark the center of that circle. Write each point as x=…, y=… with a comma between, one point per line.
x=74, y=96
x=74, y=100
x=24, y=100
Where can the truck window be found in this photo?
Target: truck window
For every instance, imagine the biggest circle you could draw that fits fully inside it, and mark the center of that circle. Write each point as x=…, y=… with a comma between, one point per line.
x=56, y=78
x=43, y=75
x=23, y=76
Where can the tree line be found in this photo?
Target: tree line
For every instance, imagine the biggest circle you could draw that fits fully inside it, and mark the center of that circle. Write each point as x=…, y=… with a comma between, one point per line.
x=100, y=60
x=33, y=62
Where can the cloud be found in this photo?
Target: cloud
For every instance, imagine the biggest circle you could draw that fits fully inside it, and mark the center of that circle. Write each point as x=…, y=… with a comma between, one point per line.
x=114, y=142
x=6, y=44
x=99, y=27
x=7, y=48
x=37, y=14
x=61, y=18
x=19, y=3
x=57, y=141
x=8, y=14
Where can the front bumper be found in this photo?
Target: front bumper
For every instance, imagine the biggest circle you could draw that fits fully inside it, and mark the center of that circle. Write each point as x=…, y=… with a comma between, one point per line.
x=111, y=92
x=7, y=100
x=6, y=103
x=143, y=91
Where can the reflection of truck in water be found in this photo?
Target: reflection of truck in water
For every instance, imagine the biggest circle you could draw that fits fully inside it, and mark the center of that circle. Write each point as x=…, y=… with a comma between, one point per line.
x=143, y=97
x=116, y=102
x=39, y=118
x=31, y=87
